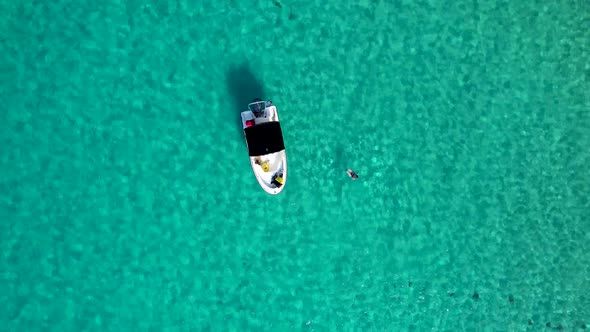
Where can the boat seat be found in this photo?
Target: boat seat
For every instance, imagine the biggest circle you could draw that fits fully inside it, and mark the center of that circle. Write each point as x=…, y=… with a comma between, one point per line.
x=261, y=120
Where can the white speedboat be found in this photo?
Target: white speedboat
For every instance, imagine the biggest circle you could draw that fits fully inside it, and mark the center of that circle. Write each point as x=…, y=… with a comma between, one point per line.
x=266, y=148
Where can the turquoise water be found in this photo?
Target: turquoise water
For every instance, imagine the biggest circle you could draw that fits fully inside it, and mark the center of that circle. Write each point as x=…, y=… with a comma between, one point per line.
x=127, y=202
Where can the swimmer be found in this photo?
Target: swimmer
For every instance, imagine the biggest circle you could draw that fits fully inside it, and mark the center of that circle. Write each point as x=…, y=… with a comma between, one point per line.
x=352, y=174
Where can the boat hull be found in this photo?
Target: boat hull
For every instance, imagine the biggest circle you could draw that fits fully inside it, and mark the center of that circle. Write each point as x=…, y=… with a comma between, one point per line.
x=264, y=140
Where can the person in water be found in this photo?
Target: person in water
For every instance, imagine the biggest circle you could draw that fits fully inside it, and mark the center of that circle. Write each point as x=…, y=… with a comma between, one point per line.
x=352, y=174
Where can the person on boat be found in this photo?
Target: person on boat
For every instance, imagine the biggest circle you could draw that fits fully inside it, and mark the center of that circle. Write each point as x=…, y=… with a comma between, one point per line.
x=352, y=174
x=277, y=180
x=258, y=110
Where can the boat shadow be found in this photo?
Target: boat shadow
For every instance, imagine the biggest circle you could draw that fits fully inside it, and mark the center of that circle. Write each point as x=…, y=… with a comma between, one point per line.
x=243, y=87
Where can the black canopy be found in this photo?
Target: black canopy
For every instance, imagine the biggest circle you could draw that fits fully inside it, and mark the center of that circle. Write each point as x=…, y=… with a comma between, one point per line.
x=264, y=138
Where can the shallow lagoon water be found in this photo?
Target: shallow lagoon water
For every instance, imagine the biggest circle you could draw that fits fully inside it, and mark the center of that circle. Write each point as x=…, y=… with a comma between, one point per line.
x=127, y=201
